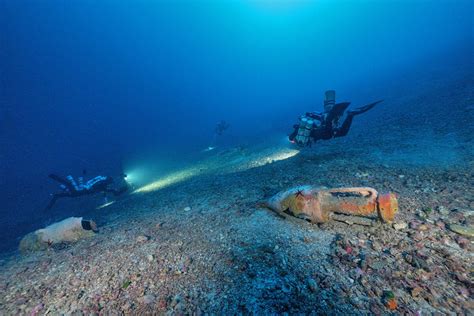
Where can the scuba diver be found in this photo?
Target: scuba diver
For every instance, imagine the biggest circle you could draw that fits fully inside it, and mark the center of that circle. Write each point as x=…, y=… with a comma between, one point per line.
x=71, y=188
x=218, y=131
x=221, y=127
x=314, y=126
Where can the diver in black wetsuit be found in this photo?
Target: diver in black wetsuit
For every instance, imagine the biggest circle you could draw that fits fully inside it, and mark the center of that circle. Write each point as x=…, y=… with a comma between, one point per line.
x=315, y=126
x=221, y=127
x=71, y=188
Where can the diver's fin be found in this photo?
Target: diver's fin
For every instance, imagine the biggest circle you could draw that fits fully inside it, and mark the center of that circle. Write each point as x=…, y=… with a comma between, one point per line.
x=363, y=109
x=59, y=179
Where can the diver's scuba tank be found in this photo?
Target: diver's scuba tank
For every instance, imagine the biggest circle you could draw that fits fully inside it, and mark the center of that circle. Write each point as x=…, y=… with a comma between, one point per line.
x=304, y=131
x=329, y=100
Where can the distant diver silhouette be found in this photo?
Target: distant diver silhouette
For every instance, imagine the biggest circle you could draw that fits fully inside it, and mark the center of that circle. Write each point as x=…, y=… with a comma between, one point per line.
x=221, y=127
x=314, y=126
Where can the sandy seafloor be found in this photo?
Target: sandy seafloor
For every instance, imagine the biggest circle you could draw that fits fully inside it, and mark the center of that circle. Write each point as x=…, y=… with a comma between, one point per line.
x=225, y=255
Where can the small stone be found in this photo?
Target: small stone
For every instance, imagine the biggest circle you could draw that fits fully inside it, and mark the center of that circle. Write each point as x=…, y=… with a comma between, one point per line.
x=187, y=209
x=180, y=307
x=312, y=285
x=414, y=224
x=376, y=246
x=389, y=300
x=423, y=228
x=150, y=258
x=463, y=242
x=162, y=303
x=126, y=306
x=415, y=292
x=400, y=226
x=377, y=265
x=148, y=299
x=443, y=210
x=176, y=299
x=142, y=238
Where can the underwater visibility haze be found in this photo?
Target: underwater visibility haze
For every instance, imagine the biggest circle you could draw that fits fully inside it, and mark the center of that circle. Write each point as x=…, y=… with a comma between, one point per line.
x=197, y=110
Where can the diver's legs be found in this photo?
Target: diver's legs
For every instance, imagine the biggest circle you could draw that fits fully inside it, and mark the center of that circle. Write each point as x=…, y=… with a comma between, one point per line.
x=336, y=112
x=62, y=181
x=117, y=192
x=55, y=197
x=346, y=125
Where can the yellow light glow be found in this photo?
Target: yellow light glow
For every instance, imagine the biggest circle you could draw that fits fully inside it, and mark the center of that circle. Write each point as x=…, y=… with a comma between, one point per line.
x=106, y=204
x=277, y=156
x=168, y=180
x=284, y=154
x=221, y=164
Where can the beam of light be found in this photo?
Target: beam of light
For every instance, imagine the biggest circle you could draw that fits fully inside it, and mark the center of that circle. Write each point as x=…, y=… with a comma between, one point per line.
x=221, y=164
x=210, y=148
x=105, y=205
x=282, y=154
x=173, y=178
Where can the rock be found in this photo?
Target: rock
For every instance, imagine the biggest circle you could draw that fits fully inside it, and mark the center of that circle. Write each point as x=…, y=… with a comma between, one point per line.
x=150, y=258
x=441, y=225
x=463, y=242
x=176, y=299
x=415, y=292
x=148, y=299
x=389, y=300
x=37, y=309
x=400, y=225
x=467, y=231
x=142, y=238
x=180, y=307
x=414, y=224
x=423, y=227
x=376, y=246
x=443, y=210
x=187, y=209
x=312, y=285
x=377, y=265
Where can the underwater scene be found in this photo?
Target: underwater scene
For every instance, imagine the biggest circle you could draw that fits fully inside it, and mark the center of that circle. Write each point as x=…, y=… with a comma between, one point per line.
x=236, y=157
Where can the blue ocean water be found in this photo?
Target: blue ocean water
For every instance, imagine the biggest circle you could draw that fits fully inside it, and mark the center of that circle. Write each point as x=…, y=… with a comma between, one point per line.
x=110, y=87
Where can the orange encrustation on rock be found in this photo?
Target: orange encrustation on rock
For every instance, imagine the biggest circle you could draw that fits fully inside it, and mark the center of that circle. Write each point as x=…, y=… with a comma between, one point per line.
x=391, y=304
